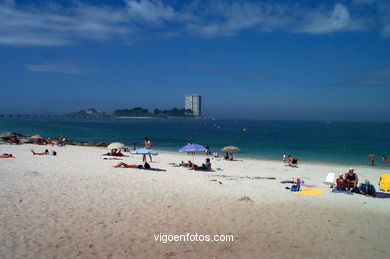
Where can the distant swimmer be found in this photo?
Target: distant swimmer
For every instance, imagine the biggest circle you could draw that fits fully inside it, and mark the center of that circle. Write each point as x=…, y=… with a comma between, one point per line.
x=384, y=159
x=372, y=158
x=244, y=129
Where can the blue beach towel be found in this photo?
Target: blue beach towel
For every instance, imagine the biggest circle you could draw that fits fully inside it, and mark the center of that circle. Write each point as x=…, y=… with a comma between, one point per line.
x=382, y=195
x=345, y=192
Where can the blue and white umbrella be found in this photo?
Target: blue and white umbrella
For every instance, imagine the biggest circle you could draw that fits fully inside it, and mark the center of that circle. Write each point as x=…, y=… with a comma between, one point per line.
x=144, y=151
x=192, y=148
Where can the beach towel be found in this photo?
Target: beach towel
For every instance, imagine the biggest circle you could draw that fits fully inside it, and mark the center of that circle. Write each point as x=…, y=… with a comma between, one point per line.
x=382, y=195
x=311, y=191
x=345, y=191
x=309, y=185
x=385, y=182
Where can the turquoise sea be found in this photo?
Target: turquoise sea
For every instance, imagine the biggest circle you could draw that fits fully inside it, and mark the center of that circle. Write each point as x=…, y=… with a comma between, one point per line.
x=336, y=142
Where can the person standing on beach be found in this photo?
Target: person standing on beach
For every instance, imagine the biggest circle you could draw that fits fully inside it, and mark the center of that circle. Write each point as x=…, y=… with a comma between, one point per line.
x=207, y=151
x=148, y=145
x=372, y=158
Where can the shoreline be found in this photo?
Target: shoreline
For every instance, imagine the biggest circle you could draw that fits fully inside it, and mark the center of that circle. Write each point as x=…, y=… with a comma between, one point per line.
x=308, y=162
x=237, y=155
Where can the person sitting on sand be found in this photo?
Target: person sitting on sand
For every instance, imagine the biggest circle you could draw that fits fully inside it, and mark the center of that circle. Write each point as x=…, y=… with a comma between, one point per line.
x=293, y=162
x=5, y=155
x=341, y=184
x=47, y=152
x=206, y=166
x=226, y=156
x=14, y=140
x=189, y=164
x=351, y=178
x=114, y=152
x=231, y=157
x=367, y=188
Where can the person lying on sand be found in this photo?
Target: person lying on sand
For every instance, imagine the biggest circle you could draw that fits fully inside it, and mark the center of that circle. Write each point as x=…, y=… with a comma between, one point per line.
x=189, y=164
x=5, y=155
x=146, y=166
x=124, y=165
x=351, y=178
x=47, y=152
x=114, y=152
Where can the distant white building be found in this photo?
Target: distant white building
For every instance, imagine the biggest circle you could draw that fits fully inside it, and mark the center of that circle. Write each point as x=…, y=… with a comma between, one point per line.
x=194, y=103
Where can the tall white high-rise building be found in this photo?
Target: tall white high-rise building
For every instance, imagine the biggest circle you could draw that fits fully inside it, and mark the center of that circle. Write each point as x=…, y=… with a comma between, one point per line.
x=194, y=102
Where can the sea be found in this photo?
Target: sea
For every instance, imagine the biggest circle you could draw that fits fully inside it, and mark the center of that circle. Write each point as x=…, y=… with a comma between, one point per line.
x=347, y=143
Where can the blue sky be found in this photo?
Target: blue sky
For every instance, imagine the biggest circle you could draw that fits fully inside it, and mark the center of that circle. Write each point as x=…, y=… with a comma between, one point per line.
x=304, y=60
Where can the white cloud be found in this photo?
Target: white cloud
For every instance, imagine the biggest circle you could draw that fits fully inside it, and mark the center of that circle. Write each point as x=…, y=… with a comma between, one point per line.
x=338, y=20
x=57, y=25
x=230, y=18
x=58, y=68
x=149, y=11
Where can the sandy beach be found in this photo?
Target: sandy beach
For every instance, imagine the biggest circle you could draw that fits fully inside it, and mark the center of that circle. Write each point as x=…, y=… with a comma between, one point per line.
x=77, y=204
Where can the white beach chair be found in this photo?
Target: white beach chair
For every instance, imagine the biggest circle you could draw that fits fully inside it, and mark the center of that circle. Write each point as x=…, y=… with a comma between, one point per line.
x=330, y=179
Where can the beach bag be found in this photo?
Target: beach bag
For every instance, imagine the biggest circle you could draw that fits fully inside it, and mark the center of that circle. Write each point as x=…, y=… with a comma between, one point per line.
x=355, y=190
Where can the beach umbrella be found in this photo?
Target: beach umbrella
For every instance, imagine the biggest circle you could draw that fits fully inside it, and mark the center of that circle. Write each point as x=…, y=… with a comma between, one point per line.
x=144, y=151
x=115, y=145
x=192, y=148
x=230, y=149
x=36, y=136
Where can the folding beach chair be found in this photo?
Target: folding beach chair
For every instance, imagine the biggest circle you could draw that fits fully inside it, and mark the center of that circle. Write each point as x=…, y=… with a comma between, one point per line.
x=384, y=182
x=330, y=179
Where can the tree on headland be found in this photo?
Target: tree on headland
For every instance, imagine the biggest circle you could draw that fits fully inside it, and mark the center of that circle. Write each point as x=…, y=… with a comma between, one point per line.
x=137, y=111
x=157, y=112
x=141, y=112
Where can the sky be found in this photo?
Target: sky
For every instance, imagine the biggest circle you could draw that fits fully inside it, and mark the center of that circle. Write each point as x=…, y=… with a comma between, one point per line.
x=272, y=60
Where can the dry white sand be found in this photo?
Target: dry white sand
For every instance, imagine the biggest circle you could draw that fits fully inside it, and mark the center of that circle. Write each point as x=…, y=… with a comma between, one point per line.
x=77, y=204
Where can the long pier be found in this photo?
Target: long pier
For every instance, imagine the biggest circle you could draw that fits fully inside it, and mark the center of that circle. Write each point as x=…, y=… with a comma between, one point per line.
x=47, y=116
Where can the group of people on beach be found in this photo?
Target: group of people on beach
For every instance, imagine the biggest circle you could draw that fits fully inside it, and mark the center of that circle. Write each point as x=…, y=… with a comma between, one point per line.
x=205, y=166
x=349, y=182
x=228, y=156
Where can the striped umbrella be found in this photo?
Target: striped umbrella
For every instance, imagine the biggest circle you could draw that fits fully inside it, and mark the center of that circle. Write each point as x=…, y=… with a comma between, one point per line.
x=192, y=148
